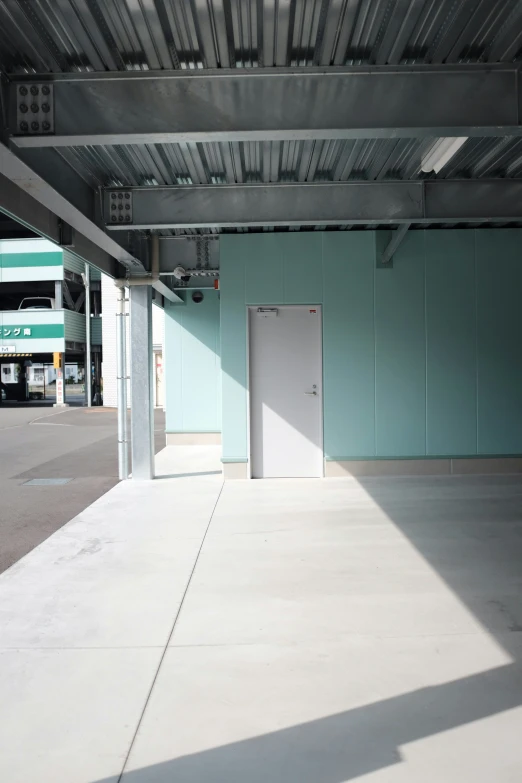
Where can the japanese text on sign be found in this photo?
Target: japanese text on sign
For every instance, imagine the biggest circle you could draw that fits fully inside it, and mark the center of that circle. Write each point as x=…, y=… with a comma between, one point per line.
x=9, y=331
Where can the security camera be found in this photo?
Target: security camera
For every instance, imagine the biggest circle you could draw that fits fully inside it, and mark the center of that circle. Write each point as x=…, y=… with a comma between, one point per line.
x=181, y=274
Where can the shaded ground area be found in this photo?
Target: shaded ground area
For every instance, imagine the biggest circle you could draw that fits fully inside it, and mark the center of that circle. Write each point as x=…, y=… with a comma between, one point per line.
x=39, y=443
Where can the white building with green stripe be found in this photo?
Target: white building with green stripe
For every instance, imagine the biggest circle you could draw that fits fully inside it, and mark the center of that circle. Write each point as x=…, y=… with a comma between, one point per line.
x=31, y=260
x=39, y=268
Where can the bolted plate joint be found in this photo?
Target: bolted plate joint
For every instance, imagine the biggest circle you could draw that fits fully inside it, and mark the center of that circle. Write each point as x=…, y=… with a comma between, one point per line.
x=118, y=205
x=34, y=109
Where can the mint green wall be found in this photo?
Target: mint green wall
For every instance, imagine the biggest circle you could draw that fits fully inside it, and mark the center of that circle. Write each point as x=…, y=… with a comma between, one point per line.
x=349, y=331
x=261, y=272
x=499, y=331
x=421, y=359
x=192, y=365
x=451, y=367
x=400, y=354
x=233, y=333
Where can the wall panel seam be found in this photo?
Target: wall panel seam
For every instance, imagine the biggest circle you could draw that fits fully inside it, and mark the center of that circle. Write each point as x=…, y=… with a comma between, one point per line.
x=476, y=342
x=426, y=449
x=374, y=280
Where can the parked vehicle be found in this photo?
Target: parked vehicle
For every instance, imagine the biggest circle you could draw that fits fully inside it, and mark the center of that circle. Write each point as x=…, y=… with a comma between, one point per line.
x=37, y=303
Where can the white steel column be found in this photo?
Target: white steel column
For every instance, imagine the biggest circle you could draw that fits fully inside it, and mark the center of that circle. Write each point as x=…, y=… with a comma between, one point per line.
x=88, y=360
x=58, y=295
x=121, y=381
x=142, y=426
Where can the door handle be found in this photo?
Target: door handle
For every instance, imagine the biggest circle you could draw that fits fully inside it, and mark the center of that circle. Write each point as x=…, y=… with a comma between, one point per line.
x=311, y=394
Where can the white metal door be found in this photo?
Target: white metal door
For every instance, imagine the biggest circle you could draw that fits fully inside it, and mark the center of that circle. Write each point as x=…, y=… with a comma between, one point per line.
x=286, y=402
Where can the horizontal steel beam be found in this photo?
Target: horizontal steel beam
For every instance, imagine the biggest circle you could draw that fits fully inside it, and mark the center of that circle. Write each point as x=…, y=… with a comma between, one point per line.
x=31, y=213
x=229, y=206
x=32, y=197
x=273, y=104
x=188, y=252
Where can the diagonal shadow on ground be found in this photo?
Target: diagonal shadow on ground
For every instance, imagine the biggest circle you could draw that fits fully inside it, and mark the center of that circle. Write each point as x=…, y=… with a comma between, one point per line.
x=345, y=746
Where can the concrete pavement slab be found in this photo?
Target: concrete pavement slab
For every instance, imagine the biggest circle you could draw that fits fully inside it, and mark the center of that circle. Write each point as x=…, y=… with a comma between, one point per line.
x=328, y=712
x=40, y=443
x=69, y=716
x=348, y=570
x=335, y=631
x=128, y=556
x=309, y=632
x=84, y=622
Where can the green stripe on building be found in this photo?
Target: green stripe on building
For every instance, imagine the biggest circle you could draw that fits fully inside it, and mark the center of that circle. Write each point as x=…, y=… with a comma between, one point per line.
x=38, y=331
x=30, y=259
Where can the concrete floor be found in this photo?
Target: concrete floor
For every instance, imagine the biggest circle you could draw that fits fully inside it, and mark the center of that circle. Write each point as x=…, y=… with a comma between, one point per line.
x=305, y=631
x=36, y=441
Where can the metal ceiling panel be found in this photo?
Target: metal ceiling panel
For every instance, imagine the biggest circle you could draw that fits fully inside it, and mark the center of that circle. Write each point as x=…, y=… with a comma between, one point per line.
x=82, y=36
x=96, y=35
x=288, y=161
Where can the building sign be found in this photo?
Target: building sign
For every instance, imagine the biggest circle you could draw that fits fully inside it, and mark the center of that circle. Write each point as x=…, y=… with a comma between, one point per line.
x=15, y=331
x=34, y=331
x=23, y=337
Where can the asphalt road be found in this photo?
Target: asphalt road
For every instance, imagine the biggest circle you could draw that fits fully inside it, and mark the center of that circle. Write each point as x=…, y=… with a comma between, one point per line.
x=37, y=442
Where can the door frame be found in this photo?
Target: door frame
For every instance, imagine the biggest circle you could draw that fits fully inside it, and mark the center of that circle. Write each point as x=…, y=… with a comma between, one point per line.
x=249, y=309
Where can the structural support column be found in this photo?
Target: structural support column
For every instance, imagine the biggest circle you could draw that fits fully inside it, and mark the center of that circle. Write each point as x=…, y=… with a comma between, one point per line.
x=88, y=361
x=61, y=401
x=121, y=381
x=142, y=427
x=58, y=294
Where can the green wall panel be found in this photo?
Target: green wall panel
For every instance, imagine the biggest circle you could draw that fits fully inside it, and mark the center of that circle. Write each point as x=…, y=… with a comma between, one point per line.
x=96, y=330
x=258, y=270
x=75, y=264
x=451, y=343
x=75, y=328
x=349, y=345
x=421, y=359
x=31, y=259
x=193, y=365
x=233, y=251
x=400, y=352
x=499, y=339
x=173, y=367
x=301, y=256
x=263, y=269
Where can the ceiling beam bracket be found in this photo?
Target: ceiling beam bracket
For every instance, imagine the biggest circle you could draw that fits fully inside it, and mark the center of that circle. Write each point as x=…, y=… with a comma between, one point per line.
x=386, y=260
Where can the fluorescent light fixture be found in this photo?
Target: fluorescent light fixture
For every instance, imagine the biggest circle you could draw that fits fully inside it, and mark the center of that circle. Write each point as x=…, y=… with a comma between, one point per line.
x=441, y=153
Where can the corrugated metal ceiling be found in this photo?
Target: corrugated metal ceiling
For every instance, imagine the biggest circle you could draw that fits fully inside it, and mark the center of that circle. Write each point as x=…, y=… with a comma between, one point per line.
x=288, y=161
x=96, y=35
x=40, y=36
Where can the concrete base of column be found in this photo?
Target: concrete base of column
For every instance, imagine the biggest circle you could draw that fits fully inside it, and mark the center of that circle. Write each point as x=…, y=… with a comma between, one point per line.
x=193, y=438
x=233, y=471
